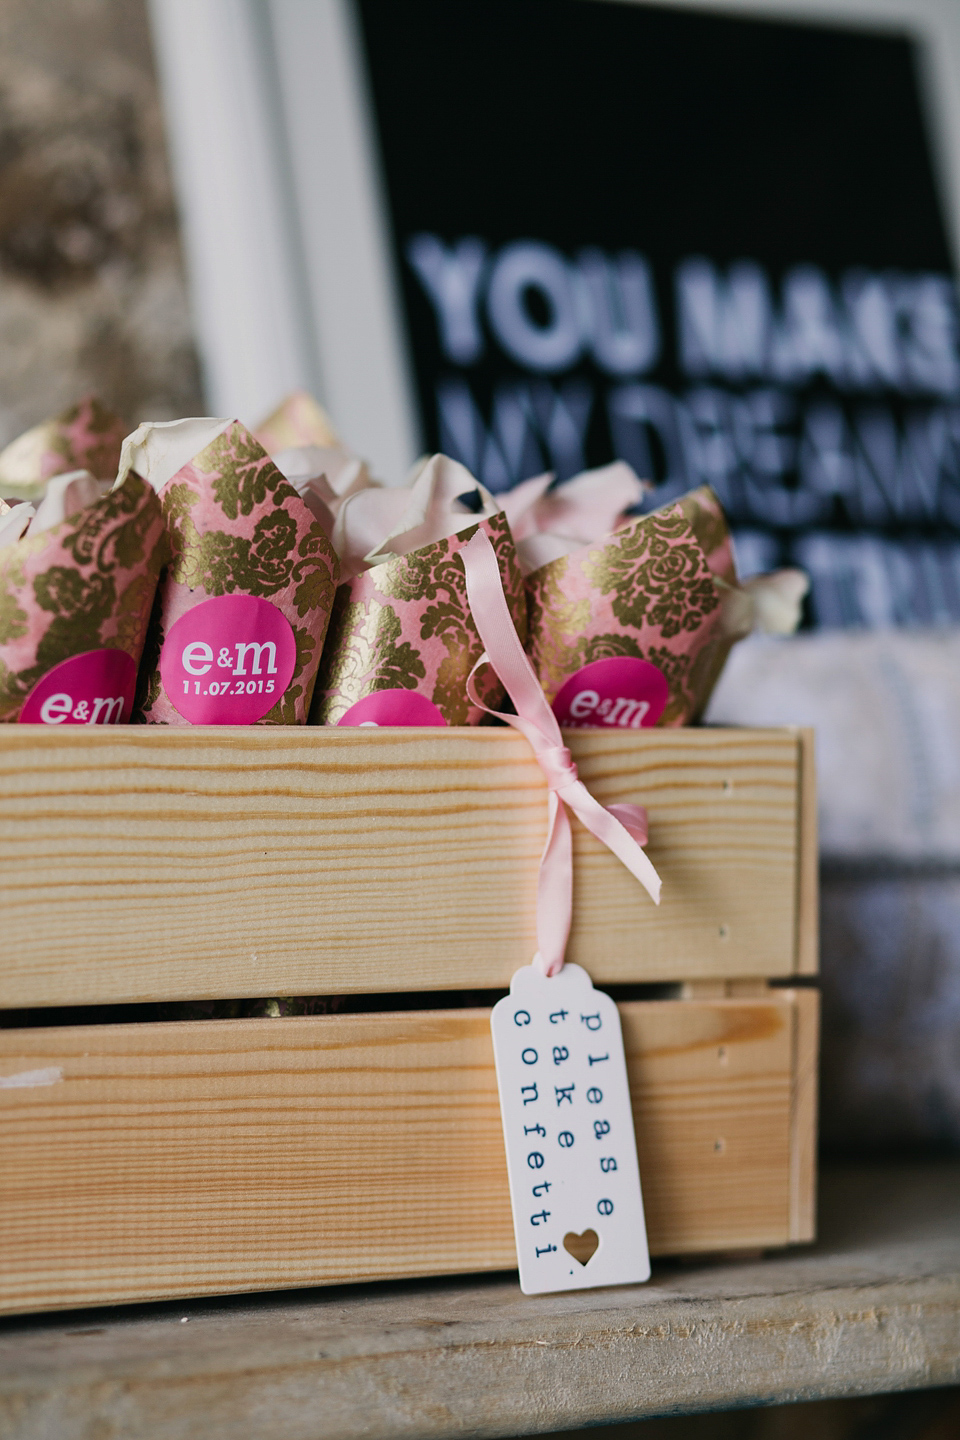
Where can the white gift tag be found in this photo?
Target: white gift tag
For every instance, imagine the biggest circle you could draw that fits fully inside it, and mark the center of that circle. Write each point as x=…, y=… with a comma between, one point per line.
x=568, y=1129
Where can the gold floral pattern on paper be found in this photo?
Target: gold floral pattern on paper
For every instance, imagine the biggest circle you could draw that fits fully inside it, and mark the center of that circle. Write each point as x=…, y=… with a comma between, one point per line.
x=406, y=625
x=237, y=527
x=371, y=657
x=706, y=519
x=292, y=704
x=656, y=574
x=86, y=584
x=647, y=592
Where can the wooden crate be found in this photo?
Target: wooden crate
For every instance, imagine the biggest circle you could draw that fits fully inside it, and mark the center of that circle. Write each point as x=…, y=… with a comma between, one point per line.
x=177, y=1158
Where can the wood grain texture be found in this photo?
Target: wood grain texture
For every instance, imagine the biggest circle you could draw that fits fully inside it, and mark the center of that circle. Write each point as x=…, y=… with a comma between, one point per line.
x=873, y=1307
x=803, y=1114
x=152, y=864
x=150, y=1161
x=808, y=868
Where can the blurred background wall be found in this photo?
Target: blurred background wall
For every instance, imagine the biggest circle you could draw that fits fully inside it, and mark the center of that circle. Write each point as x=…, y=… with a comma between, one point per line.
x=92, y=293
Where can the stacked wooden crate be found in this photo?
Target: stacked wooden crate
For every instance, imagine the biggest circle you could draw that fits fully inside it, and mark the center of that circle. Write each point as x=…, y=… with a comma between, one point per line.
x=150, y=1159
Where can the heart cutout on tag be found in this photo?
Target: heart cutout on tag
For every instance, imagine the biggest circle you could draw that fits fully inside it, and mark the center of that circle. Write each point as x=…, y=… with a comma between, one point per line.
x=581, y=1247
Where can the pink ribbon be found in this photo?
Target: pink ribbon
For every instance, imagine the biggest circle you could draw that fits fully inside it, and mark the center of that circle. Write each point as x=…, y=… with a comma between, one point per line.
x=622, y=828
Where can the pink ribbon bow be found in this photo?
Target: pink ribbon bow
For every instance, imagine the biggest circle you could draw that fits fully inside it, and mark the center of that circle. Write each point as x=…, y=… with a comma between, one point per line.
x=622, y=828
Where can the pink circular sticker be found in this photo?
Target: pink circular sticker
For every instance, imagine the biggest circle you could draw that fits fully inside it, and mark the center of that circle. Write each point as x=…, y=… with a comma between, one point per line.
x=621, y=691
x=94, y=688
x=393, y=707
x=228, y=660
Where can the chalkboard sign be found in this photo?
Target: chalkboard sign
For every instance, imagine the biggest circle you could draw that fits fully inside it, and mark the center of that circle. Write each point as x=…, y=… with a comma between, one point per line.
x=710, y=246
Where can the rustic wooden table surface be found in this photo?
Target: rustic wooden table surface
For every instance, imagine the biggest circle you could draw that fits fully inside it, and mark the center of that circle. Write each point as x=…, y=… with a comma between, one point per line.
x=873, y=1306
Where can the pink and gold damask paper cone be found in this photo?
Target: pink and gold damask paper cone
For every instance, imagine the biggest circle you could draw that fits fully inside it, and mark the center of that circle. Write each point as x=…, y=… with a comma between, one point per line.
x=645, y=594
x=708, y=522
x=769, y=603
x=75, y=600
x=704, y=515
x=405, y=626
x=88, y=436
x=243, y=607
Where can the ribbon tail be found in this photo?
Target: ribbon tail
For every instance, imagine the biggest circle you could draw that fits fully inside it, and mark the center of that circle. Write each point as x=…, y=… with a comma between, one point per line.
x=611, y=832
x=633, y=818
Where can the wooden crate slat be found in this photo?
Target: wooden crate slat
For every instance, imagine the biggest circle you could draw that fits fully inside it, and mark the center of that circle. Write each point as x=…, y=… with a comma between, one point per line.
x=808, y=861
x=151, y=1161
x=149, y=864
x=803, y=1138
